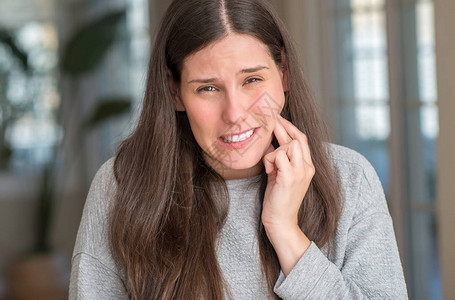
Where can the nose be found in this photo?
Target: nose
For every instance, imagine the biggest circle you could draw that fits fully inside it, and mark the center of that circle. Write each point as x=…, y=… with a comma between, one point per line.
x=235, y=108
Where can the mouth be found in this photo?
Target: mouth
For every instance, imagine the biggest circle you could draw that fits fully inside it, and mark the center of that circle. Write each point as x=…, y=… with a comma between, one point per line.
x=238, y=137
x=238, y=140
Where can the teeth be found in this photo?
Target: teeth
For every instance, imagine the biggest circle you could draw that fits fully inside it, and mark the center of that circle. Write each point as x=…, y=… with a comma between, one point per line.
x=237, y=138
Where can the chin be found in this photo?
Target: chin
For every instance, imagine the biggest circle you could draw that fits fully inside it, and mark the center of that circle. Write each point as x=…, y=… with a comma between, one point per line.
x=244, y=163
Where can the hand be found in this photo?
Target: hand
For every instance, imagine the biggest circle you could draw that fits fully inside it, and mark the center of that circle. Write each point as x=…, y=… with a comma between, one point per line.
x=290, y=171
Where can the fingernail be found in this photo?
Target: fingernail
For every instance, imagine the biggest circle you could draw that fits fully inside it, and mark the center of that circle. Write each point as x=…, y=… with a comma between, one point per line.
x=279, y=116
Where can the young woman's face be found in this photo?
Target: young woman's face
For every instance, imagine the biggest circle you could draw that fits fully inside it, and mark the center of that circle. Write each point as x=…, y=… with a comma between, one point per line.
x=232, y=91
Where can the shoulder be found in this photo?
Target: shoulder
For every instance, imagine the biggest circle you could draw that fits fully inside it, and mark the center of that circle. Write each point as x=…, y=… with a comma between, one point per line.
x=102, y=189
x=91, y=255
x=92, y=229
x=343, y=157
x=105, y=174
x=353, y=166
x=361, y=187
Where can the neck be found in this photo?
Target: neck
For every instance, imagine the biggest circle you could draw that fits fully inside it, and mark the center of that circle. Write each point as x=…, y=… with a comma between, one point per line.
x=230, y=174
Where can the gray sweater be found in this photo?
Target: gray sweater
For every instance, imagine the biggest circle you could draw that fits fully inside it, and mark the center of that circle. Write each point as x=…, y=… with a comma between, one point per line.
x=364, y=262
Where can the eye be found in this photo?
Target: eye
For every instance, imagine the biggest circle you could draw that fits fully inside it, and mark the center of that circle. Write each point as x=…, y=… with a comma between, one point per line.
x=206, y=89
x=253, y=80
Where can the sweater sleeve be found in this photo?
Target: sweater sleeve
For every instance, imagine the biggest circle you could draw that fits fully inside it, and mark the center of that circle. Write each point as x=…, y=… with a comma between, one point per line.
x=371, y=268
x=94, y=274
x=91, y=279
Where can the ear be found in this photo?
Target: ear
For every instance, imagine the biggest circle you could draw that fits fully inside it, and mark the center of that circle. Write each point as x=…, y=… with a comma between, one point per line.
x=174, y=89
x=284, y=70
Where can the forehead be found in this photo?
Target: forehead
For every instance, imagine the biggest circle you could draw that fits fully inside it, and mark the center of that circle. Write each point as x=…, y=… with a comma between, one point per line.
x=231, y=51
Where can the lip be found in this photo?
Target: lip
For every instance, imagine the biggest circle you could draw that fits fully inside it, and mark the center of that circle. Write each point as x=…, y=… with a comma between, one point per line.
x=238, y=145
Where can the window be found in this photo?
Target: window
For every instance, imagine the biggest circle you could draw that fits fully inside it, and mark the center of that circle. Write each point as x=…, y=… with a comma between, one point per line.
x=422, y=131
x=364, y=106
x=362, y=81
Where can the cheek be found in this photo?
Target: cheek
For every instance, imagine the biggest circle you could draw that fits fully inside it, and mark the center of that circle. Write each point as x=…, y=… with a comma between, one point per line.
x=203, y=121
x=268, y=104
x=203, y=113
x=279, y=98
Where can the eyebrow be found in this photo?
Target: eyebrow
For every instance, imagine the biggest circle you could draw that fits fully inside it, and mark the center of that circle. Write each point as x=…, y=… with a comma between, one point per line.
x=243, y=71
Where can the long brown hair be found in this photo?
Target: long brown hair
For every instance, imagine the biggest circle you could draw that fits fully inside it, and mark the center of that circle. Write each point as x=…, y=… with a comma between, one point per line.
x=169, y=204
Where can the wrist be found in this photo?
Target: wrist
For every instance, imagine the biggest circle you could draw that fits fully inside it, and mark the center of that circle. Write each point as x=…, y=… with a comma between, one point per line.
x=290, y=244
x=275, y=225
x=285, y=234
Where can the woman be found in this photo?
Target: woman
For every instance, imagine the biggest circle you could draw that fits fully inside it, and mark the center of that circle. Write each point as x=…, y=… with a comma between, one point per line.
x=227, y=188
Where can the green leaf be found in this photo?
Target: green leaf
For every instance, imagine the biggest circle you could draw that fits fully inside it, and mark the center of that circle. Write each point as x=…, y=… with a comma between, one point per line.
x=108, y=108
x=89, y=44
x=7, y=39
x=5, y=155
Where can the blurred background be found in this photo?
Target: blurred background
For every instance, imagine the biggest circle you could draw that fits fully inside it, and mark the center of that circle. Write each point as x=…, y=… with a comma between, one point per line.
x=72, y=77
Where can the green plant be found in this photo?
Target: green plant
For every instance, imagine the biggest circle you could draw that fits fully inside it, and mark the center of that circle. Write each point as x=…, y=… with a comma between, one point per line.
x=10, y=111
x=82, y=54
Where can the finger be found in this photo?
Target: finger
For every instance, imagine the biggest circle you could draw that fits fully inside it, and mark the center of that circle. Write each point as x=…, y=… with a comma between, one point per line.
x=294, y=152
x=282, y=162
x=296, y=134
x=290, y=128
x=270, y=160
x=269, y=167
x=281, y=134
x=278, y=160
x=269, y=149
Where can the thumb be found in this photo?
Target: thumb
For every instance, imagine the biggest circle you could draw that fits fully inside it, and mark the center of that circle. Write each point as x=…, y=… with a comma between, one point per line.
x=270, y=149
x=267, y=164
